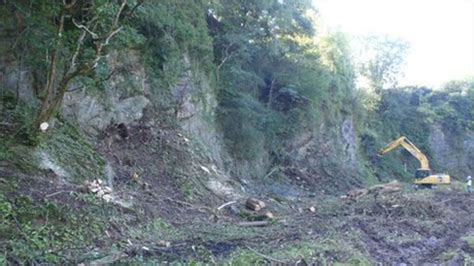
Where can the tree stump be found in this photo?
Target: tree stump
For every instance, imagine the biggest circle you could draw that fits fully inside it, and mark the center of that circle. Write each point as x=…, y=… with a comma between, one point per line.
x=254, y=204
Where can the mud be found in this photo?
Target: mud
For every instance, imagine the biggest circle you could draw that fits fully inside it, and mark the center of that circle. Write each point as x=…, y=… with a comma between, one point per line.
x=419, y=238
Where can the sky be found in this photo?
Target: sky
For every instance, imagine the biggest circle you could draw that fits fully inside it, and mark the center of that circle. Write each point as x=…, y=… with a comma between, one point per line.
x=440, y=33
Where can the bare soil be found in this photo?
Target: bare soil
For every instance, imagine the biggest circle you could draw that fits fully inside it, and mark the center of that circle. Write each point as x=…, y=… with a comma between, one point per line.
x=171, y=220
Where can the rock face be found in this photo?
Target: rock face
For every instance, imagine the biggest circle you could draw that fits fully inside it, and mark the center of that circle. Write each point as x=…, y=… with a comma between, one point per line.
x=329, y=151
x=94, y=114
x=17, y=80
x=196, y=114
x=321, y=153
x=316, y=150
x=350, y=144
x=14, y=75
x=196, y=102
x=452, y=154
x=123, y=102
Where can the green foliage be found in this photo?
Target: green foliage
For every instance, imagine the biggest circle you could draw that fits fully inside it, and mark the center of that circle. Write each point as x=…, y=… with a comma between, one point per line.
x=381, y=60
x=469, y=238
x=67, y=148
x=176, y=37
x=25, y=115
x=274, y=79
x=414, y=112
x=61, y=41
x=453, y=107
x=42, y=232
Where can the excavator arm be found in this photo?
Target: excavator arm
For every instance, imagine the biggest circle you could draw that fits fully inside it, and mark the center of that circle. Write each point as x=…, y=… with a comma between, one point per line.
x=410, y=147
x=423, y=175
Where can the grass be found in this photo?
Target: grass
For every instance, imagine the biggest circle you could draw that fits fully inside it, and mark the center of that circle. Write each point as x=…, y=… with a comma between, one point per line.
x=68, y=149
x=451, y=254
x=331, y=250
x=244, y=256
x=63, y=146
x=78, y=228
x=42, y=231
x=154, y=230
x=469, y=238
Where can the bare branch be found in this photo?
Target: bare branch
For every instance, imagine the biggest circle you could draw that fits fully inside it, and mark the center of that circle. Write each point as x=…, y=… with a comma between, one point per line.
x=83, y=27
x=112, y=34
x=119, y=13
x=70, y=5
x=227, y=55
x=55, y=93
x=80, y=41
x=226, y=204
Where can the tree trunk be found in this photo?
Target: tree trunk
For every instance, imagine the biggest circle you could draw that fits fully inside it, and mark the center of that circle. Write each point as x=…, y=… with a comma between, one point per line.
x=51, y=105
x=270, y=94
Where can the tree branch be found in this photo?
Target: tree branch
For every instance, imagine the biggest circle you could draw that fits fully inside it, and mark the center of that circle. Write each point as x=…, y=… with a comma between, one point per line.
x=139, y=3
x=84, y=28
x=227, y=56
x=70, y=5
x=119, y=13
x=80, y=41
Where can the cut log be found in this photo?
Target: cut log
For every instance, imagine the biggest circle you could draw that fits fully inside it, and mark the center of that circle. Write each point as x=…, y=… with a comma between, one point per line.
x=254, y=204
x=255, y=223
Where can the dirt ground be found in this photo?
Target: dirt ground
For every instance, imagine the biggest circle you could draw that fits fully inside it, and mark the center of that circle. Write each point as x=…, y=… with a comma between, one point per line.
x=409, y=228
x=161, y=216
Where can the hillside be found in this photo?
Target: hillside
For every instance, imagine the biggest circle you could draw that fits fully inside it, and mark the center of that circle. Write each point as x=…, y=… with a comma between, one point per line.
x=164, y=118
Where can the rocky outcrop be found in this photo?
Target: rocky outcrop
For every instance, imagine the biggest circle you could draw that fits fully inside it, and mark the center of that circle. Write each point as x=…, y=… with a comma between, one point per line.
x=196, y=103
x=94, y=114
x=123, y=101
x=326, y=153
x=452, y=154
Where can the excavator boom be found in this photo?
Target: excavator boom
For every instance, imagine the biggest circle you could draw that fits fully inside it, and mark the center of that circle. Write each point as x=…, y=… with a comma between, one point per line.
x=410, y=147
x=423, y=175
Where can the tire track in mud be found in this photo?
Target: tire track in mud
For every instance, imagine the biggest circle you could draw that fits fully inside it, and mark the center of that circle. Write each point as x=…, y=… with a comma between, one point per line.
x=452, y=227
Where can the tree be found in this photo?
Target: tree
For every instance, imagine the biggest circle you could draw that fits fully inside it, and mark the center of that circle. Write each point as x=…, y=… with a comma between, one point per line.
x=95, y=24
x=381, y=59
x=72, y=35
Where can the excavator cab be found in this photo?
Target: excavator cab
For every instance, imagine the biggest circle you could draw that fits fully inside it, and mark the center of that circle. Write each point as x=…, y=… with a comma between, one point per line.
x=423, y=175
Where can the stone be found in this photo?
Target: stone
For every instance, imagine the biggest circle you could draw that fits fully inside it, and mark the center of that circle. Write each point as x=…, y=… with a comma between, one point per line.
x=163, y=243
x=269, y=215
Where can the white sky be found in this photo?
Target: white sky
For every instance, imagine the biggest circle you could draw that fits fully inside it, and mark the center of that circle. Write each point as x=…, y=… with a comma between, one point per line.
x=440, y=33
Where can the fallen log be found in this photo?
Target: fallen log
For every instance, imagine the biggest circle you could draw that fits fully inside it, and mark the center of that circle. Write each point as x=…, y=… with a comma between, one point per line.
x=254, y=224
x=393, y=186
x=375, y=190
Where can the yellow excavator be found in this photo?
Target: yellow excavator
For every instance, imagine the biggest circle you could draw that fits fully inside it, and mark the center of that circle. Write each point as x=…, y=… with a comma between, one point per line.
x=423, y=176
